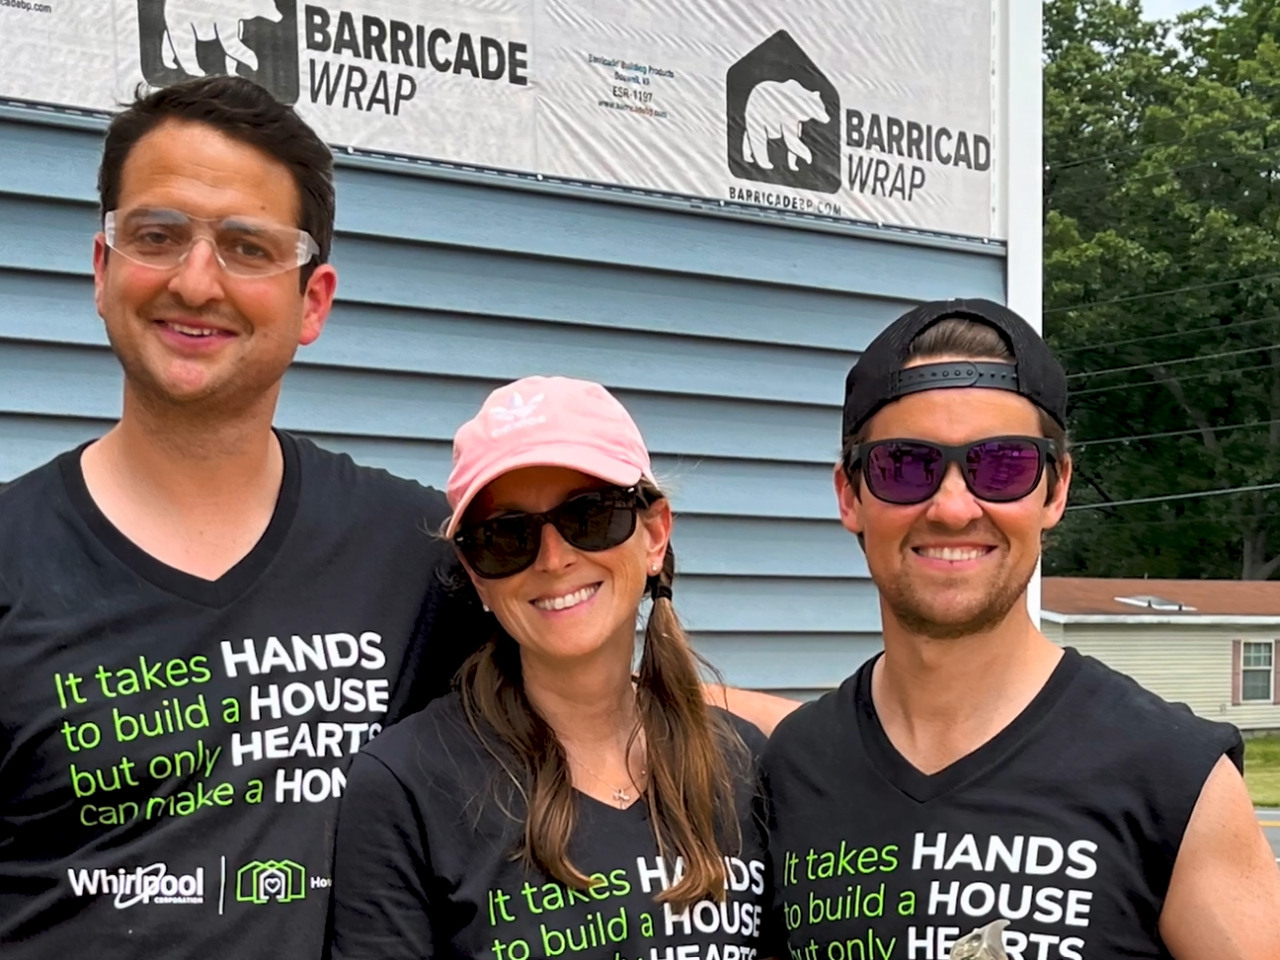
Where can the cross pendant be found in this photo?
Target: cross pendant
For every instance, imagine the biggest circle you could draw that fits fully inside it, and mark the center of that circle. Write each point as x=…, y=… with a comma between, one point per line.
x=621, y=797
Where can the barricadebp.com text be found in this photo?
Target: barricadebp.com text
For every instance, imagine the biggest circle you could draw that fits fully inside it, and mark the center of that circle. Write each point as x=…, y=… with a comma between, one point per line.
x=27, y=5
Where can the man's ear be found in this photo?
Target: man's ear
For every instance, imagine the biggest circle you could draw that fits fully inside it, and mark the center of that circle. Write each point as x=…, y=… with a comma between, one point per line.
x=99, y=271
x=1057, y=504
x=849, y=500
x=317, y=301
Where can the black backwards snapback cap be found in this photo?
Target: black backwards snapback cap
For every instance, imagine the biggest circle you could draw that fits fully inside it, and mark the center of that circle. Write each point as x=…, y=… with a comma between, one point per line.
x=878, y=377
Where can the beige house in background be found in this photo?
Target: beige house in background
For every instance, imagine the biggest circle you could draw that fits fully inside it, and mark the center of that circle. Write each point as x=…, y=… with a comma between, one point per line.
x=1211, y=644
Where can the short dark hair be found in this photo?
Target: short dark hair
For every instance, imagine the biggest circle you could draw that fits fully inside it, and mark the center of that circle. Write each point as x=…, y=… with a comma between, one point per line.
x=243, y=111
x=970, y=340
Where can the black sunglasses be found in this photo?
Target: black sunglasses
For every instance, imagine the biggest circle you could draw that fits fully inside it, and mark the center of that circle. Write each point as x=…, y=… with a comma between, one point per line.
x=592, y=521
x=997, y=469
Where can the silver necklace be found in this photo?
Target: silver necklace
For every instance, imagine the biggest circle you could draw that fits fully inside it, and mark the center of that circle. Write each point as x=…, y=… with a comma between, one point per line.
x=621, y=795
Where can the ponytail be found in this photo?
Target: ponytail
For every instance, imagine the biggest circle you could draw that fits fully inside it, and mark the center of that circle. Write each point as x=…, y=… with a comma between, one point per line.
x=693, y=752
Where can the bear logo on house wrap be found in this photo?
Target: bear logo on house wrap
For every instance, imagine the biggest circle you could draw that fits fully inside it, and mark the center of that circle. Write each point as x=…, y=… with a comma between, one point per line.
x=783, y=118
x=257, y=39
x=778, y=111
x=187, y=21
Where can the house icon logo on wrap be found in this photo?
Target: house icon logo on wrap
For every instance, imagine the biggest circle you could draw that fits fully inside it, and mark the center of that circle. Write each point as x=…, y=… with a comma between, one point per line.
x=783, y=118
x=262, y=881
x=255, y=39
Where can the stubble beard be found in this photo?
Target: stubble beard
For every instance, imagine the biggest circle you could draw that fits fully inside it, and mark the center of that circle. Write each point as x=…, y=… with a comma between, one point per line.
x=229, y=396
x=913, y=611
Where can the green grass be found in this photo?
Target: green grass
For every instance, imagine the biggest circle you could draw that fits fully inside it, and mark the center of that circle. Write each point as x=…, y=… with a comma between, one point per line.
x=1262, y=770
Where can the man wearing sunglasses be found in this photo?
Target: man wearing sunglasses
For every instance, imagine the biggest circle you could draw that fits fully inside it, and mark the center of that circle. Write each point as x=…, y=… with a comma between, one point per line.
x=976, y=773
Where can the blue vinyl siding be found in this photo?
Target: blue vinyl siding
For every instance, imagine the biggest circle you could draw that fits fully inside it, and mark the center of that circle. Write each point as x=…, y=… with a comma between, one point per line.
x=727, y=338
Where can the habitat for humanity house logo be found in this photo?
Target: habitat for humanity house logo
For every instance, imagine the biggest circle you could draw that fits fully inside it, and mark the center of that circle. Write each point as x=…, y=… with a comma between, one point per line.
x=257, y=39
x=262, y=881
x=783, y=118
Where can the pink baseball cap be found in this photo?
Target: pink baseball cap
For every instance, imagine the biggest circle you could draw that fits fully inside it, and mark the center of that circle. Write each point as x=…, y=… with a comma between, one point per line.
x=545, y=422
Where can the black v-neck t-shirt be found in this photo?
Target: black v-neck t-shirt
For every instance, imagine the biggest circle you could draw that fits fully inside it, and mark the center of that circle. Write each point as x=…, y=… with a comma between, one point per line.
x=1066, y=823
x=424, y=864
x=172, y=749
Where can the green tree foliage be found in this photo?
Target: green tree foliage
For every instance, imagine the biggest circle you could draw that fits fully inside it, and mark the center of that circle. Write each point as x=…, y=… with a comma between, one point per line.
x=1162, y=282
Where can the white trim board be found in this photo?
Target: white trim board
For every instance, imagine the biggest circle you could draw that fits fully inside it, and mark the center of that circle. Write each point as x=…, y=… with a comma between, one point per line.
x=1203, y=620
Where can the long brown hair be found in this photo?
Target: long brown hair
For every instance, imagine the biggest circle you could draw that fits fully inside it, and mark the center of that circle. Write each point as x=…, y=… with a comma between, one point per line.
x=693, y=758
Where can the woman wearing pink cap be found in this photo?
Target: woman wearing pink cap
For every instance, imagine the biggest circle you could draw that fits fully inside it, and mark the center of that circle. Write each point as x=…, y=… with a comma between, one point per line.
x=562, y=802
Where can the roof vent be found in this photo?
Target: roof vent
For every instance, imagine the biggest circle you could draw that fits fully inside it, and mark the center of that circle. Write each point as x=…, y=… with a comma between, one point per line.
x=1151, y=602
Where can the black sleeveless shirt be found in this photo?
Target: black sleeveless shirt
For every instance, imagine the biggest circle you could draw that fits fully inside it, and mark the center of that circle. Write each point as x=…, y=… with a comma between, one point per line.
x=1067, y=824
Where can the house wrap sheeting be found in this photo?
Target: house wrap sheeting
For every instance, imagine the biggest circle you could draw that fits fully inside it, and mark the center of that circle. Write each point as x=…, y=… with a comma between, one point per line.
x=506, y=222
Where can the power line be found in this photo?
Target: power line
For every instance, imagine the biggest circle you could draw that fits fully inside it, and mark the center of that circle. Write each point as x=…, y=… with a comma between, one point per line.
x=1147, y=383
x=1259, y=96
x=1070, y=164
x=1196, y=260
x=1094, y=304
x=1208, y=328
x=1172, y=363
x=1103, y=183
x=1111, y=522
x=1174, y=268
x=1175, y=496
x=1172, y=433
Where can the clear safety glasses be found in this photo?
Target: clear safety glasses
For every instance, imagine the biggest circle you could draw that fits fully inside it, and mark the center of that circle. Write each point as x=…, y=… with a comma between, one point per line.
x=244, y=246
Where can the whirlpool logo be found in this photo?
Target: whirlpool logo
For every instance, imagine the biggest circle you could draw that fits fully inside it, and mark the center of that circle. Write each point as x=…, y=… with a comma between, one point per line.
x=257, y=39
x=133, y=885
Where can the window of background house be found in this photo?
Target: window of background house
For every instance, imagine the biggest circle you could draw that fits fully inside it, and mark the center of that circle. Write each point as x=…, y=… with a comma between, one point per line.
x=1255, y=671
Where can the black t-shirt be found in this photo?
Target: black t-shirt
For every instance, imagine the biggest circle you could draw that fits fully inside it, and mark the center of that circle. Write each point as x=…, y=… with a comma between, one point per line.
x=1066, y=823
x=424, y=864
x=171, y=748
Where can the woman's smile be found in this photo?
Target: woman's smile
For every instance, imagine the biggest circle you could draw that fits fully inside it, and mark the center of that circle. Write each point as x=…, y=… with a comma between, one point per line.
x=567, y=601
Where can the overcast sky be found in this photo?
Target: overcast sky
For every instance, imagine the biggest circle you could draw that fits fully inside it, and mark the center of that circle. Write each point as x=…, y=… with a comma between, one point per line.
x=1156, y=9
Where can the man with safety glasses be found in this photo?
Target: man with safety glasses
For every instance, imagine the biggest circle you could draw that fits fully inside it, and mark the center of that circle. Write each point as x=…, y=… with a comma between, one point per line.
x=203, y=618
x=975, y=773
